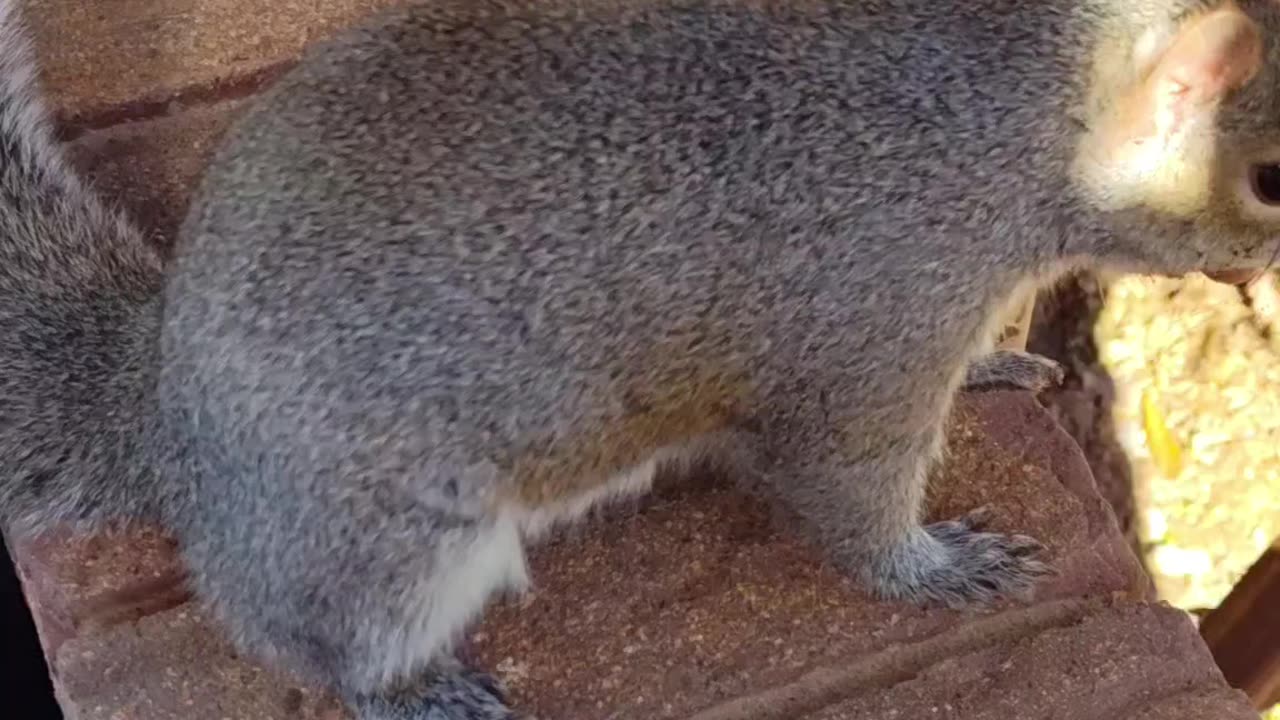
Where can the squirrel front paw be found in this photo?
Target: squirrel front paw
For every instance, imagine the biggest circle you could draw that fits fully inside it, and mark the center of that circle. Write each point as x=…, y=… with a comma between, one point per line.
x=955, y=563
x=1012, y=368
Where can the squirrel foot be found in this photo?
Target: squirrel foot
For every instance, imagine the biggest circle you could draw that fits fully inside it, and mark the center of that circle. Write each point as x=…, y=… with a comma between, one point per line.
x=1012, y=368
x=957, y=564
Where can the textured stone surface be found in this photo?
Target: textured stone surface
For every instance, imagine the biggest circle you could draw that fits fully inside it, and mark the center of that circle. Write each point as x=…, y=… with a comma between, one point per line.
x=77, y=583
x=106, y=60
x=1114, y=662
x=152, y=167
x=696, y=605
x=174, y=666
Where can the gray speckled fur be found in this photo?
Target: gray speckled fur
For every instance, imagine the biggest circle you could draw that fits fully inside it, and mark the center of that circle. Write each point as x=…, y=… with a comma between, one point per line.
x=465, y=228
x=1013, y=369
x=79, y=316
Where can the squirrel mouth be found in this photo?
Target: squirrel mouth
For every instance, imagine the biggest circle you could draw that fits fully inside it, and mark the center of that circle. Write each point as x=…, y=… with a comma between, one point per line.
x=1234, y=277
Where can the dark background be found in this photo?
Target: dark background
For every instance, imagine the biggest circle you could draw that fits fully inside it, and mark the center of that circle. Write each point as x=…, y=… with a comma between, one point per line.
x=25, y=690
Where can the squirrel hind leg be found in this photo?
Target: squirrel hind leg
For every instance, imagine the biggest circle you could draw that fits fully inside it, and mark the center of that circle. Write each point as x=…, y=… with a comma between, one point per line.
x=421, y=620
x=400, y=665
x=371, y=618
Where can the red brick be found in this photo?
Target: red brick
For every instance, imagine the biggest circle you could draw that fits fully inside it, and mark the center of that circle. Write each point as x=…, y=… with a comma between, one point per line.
x=698, y=605
x=174, y=666
x=100, y=57
x=152, y=167
x=1120, y=662
x=75, y=583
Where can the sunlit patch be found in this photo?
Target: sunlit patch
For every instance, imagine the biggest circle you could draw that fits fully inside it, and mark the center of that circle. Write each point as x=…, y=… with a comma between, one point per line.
x=1196, y=365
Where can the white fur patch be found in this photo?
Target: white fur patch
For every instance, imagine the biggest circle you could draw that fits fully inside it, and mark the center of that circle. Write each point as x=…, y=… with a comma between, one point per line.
x=472, y=570
x=630, y=483
x=476, y=566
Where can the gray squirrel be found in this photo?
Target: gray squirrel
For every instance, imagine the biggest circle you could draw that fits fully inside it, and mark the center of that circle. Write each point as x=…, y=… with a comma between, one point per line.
x=477, y=266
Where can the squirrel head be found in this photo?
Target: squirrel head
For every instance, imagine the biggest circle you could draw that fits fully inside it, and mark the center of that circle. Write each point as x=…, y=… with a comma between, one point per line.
x=1182, y=144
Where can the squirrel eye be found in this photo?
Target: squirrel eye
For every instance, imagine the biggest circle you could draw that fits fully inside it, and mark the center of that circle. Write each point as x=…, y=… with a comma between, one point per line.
x=1265, y=180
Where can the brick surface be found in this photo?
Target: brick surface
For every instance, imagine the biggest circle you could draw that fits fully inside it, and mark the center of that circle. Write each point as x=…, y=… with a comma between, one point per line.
x=1111, y=662
x=151, y=167
x=697, y=605
x=174, y=666
x=75, y=584
x=109, y=59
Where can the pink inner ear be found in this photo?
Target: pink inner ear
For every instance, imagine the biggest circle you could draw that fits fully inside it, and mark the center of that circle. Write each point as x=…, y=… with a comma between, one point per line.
x=1212, y=55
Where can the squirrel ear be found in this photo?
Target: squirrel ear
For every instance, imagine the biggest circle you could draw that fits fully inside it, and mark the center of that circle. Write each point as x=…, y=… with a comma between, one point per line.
x=1209, y=55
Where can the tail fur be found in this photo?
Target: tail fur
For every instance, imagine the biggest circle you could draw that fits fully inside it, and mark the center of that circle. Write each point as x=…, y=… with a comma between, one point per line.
x=80, y=297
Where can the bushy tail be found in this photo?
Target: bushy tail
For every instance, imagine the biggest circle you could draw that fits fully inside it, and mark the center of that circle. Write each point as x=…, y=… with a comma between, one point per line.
x=80, y=298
